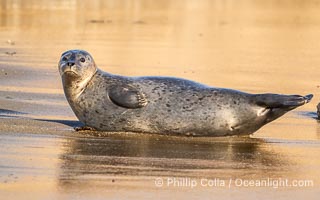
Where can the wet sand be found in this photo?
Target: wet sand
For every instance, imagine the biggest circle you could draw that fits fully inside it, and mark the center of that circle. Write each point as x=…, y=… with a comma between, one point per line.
x=254, y=46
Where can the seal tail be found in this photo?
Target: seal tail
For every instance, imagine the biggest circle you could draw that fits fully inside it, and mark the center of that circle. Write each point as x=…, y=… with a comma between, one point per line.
x=277, y=105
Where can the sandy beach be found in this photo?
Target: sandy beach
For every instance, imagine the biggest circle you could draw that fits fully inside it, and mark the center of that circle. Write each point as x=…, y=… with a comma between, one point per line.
x=253, y=46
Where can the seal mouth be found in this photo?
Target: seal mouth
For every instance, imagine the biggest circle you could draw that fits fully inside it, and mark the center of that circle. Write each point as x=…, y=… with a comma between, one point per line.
x=69, y=77
x=69, y=72
x=66, y=69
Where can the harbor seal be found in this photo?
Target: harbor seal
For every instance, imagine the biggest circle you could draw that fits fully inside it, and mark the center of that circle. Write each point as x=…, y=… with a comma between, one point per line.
x=164, y=105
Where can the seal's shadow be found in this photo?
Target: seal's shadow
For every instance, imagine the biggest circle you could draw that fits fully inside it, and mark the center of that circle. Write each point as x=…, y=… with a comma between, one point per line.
x=16, y=114
x=10, y=113
x=71, y=123
x=308, y=114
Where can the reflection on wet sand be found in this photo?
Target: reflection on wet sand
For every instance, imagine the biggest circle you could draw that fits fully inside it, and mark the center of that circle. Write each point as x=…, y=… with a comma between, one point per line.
x=140, y=155
x=86, y=163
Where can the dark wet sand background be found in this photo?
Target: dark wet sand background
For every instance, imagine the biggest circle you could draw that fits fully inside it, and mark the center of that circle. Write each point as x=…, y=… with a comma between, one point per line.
x=254, y=46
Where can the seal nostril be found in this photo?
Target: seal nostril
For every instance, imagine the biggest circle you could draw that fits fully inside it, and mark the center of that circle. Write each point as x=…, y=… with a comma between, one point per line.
x=70, y=64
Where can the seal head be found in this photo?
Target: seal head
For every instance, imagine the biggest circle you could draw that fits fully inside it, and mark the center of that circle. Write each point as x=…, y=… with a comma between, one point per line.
x=76, y=68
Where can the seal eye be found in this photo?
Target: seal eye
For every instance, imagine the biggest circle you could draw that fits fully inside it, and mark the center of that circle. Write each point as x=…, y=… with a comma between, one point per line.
x=82, y=60
x=64, y=58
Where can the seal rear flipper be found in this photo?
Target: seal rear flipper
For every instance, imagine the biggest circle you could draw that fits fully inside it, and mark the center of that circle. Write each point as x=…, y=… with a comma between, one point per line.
x=276, y=105
x=281, y=101
x=127, y=96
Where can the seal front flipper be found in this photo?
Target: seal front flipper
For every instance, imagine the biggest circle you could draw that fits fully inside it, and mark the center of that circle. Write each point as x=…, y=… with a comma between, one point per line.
x=127, y=96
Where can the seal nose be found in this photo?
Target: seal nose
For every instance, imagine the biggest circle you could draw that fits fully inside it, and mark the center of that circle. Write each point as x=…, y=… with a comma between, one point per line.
x=70, y=64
